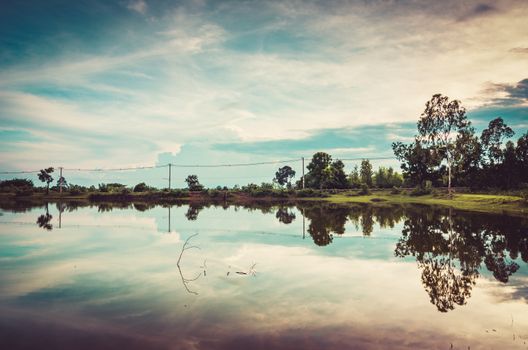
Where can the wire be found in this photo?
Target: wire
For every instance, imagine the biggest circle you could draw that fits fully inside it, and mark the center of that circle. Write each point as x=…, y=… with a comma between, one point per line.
x=224, y=165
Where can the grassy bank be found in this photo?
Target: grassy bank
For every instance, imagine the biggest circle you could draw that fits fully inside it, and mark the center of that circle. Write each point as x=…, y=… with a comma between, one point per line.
x=486, y=203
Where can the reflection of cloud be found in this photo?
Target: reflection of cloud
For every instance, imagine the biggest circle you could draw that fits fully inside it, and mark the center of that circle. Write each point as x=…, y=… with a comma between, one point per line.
x=515, y=290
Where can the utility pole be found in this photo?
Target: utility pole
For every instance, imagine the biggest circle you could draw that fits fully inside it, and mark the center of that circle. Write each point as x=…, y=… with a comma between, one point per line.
x=61, y=180
x=303, y=172
x=170, y=170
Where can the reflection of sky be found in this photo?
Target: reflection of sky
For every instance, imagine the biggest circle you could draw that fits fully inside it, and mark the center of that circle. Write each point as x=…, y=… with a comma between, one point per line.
x=112, y=276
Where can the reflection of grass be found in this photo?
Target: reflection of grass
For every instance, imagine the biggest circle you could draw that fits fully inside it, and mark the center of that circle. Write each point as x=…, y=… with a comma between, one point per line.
x=475, y=202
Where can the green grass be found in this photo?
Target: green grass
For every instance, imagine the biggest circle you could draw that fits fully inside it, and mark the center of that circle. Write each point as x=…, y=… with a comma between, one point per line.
x=487, y=203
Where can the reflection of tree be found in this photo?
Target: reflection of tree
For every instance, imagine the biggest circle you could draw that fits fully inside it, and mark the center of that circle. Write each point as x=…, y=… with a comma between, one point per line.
x=193, y=211
x=450, y=250
x=43, y=220
x=325, y=221
x=285, y=216
x=328, y=219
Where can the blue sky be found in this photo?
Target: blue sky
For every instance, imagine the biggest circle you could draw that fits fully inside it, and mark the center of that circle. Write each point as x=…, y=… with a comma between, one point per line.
x=94, y=84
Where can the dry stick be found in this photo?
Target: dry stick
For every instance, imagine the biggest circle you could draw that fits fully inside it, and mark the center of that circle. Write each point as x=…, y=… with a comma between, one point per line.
x=187, y=280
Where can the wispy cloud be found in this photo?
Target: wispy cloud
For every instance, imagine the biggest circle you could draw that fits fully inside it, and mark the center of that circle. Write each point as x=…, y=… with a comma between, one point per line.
x=247, y=73
x=139, y=6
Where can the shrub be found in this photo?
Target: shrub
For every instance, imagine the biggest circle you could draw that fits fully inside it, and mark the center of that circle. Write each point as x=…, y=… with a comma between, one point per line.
x=16, y=185
x=141, y=187
x=423, y=190
x=364, y=189
x=395, y=190
x=524, y=195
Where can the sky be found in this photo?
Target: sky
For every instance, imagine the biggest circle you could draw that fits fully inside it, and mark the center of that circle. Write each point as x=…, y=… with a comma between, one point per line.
x=105, y=84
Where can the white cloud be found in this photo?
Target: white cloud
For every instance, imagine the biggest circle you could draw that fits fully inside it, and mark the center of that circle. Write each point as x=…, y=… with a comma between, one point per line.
x=186, y=82
x=140, y=6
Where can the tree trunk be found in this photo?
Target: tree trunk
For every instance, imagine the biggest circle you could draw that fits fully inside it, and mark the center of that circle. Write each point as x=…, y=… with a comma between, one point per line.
x=449, y=177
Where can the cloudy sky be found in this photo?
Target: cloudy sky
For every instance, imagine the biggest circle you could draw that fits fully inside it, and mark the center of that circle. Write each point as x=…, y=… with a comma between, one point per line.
x=94, y=84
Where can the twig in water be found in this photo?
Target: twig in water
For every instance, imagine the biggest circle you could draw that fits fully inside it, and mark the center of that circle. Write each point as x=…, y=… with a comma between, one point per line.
x=184, y=279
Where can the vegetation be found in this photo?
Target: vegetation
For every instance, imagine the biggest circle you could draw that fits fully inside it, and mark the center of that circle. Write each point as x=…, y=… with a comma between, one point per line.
x=447, y=148
x=284, y=175
x=193, y=184
x=45, y=176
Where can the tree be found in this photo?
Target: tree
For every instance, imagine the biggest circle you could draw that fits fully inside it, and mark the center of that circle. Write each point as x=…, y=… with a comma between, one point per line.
x=521, y=153
x=284, y=175
x=467, y=156
x=318, y=171
x=193, y=184
x=336, y=177
x=492, y=138
x=440, y=120
x=387, y=177
x=354, y=180
x=366, y=172
x=141, y=187
x=44, y=176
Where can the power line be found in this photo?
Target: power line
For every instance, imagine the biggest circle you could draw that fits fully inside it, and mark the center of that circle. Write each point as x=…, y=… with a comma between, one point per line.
x=369, y=158
x=223, y=165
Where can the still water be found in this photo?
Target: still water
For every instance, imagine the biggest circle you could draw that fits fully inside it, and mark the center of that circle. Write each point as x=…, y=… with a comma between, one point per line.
x=308, y=276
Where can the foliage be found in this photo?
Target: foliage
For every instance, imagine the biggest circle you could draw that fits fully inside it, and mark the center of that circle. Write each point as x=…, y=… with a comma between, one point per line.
x=142, y=187
x=193, y=184
x=354, y=181
x=45, y=176
x=284, y=175
x=113, y=187
x=364, y=189
x=387, y=178
x=16, y=185
x=427, y=188
x=366, y=172
x=444, y=133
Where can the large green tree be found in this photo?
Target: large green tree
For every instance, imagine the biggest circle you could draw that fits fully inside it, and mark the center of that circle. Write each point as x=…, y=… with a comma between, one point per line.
x=318, y=172
x=418, y=163
x=492, y=138
x=439, y=126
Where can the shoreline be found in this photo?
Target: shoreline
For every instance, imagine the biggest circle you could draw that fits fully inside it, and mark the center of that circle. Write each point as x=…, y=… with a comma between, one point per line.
x=484, y=203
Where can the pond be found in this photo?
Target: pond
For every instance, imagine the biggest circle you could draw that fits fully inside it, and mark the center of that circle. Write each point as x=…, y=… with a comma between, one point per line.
x=304, y=276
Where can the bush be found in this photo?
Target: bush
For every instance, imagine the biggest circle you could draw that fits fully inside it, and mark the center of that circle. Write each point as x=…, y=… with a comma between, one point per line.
x=395, y=190
x=16, y=185
x=423, y=190
x=76, y=189
x=364, y=189
x=524, y=195
x=141, y=187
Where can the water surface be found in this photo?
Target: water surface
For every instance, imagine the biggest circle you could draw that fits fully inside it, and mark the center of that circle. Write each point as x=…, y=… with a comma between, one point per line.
x=287, y=277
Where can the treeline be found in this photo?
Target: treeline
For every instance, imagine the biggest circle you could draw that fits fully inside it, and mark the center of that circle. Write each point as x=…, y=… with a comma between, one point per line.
x=448, y=151
x=323, y=173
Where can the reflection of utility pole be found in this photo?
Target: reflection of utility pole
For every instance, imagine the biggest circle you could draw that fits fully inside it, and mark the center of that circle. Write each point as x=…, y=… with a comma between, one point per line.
x=304, y=232
x=169, y=220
